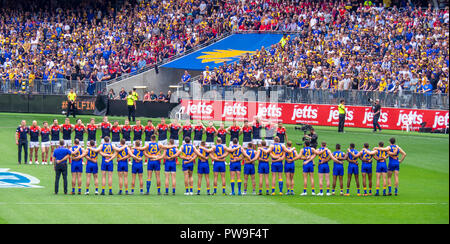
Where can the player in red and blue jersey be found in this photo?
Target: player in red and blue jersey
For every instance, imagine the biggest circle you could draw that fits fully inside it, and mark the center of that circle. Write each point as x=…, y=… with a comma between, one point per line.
x=115, y=134
x=138, y=130
x=76, y=166
x=353, y=169
x=222, y=133
x=281, y=133
x=187, y=130
x=250, y=156
x=246, y=134
x=256, y=129
x=45, y=142
x=174, y=128
x=91, y=130
x=210, y=132
x=54, y=137
x=234, y=132
x=199, y=129
x=338, y=169
x=34, y=132
x=162, y=132
x=149, y=131
x=105, y=128
x=67, y=129
x=79, y=129
x=126, y=132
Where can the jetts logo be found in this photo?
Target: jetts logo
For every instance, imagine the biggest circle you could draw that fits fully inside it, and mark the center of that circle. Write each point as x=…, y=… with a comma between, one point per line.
x=236, y=109
x=304, y=112
x=368, y=116
x=197, y=108
x=271, y=111
x=17, y=180
x=440, y=120
x=334, y=115
x=404, y=117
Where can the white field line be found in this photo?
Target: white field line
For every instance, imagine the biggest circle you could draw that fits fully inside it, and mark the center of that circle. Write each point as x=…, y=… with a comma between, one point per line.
x=225, y=203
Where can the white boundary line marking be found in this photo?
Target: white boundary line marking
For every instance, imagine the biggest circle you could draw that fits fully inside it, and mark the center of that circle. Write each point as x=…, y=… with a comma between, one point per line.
x=226, y=203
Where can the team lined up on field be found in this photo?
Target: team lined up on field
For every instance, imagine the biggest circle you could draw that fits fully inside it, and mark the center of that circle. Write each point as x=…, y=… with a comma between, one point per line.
x=248, y=154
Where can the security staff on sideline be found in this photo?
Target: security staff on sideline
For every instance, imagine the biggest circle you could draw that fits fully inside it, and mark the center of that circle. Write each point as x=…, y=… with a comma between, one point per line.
x=131, y=103
x=342, y=112
x=60, y=157
x=71, y=97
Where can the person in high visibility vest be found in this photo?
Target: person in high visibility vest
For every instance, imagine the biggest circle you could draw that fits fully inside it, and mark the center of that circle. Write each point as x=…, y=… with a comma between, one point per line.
x=131, y=103
x=71, y=98
x=342, y=111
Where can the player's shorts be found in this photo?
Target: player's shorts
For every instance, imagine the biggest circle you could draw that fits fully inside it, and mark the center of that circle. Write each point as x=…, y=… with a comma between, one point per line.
x=263, y=167
x=308, y=168
x=91, y=168
x=107, y=166
x=277, y=167
x=289, y=167
x=115, y=143
x=394, y=165
x=122, y=166
x=81, y=143
x=257, y=141
x=170, y=166
x=209, y=144
x=54, y=143
x=128, y=143
x=203, y=168
x=323, y=168
x=45, y=144
x=381, y=167
x=353, y=169
x=137, y=168
x=197, y=143
x=188, y=166
x=67, y=143
x=76, y=167
x=219, y=166
x=249, y=169
x=338, y=169
x=33, y=144
x=153, y=166
x=269, y=142
x=176, y=142
x=366, y=168
x=163, y=142
x=231, y=143
x=235, y=166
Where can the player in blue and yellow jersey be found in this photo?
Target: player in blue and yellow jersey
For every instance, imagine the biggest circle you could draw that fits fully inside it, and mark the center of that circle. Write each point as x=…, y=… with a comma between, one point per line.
x=76, y=166
x=277, y=154
x=325, y=155
x=381, y=170
x=218, y=153
x=394, y=164
x=338, y=169
x=122, y=154
x=170, y=166
x=91, y=155
x=188, y=156
x=289, y=168
x=152, y=152
x=203, y=167
x=307, y=154
x=353, y=169
x=366, y=167
x=137, y=167
x=235, y=166
x=106, y=166
x=250, y=156
x=263, y=167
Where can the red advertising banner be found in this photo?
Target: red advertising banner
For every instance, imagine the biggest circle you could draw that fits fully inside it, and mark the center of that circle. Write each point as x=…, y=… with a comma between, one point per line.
x=326, y=115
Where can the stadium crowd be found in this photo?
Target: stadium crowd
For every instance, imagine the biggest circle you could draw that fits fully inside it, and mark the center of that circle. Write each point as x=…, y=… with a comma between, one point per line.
x=337, y=46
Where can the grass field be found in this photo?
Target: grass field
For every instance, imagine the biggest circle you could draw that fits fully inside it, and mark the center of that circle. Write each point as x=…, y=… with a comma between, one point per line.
x=423, y=192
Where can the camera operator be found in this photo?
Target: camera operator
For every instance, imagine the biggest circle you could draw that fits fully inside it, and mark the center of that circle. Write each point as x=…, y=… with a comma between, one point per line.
x=376, y=109
x=312, y=138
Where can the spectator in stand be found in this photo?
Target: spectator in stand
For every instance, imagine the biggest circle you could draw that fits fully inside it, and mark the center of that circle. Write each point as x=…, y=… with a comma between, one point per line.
x=161, y=97
x=122, y=94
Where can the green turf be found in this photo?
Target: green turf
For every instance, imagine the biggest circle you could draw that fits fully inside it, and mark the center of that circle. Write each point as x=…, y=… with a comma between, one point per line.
x=423, y=194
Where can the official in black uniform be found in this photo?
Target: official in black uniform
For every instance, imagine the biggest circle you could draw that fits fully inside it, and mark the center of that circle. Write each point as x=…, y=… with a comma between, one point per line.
x=22, y=140
x=376, y=109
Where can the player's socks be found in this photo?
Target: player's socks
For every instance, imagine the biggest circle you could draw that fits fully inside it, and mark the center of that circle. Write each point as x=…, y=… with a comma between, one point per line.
x=260, y=190
x=120, y=192
x=377, y=191
x=215, y=189
x=348, y=191
x=191, y=189
x=173, y=190
x=208, y=190
x=304, y=190
x=239, y=186
x=365, y=191
x=232, y=186
x=87, y=190
x=79, y=190
x=223, y=189
x=187, y=189
x=148, y=186
x=384, y=190
x=396, y=190
x=389, y=188
x=273, y=189
x=132, y=191
x=142, y=190
x=167, y=190
x=73, y=190
x=280, y=185
x=357, y=191
x=198, y=191
x=320, y=190
x=312, y=190
x=159, y=189
x=328, y=189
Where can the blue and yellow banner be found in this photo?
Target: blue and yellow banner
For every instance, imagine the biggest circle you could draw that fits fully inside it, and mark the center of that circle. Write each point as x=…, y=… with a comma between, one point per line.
x=229, y=49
